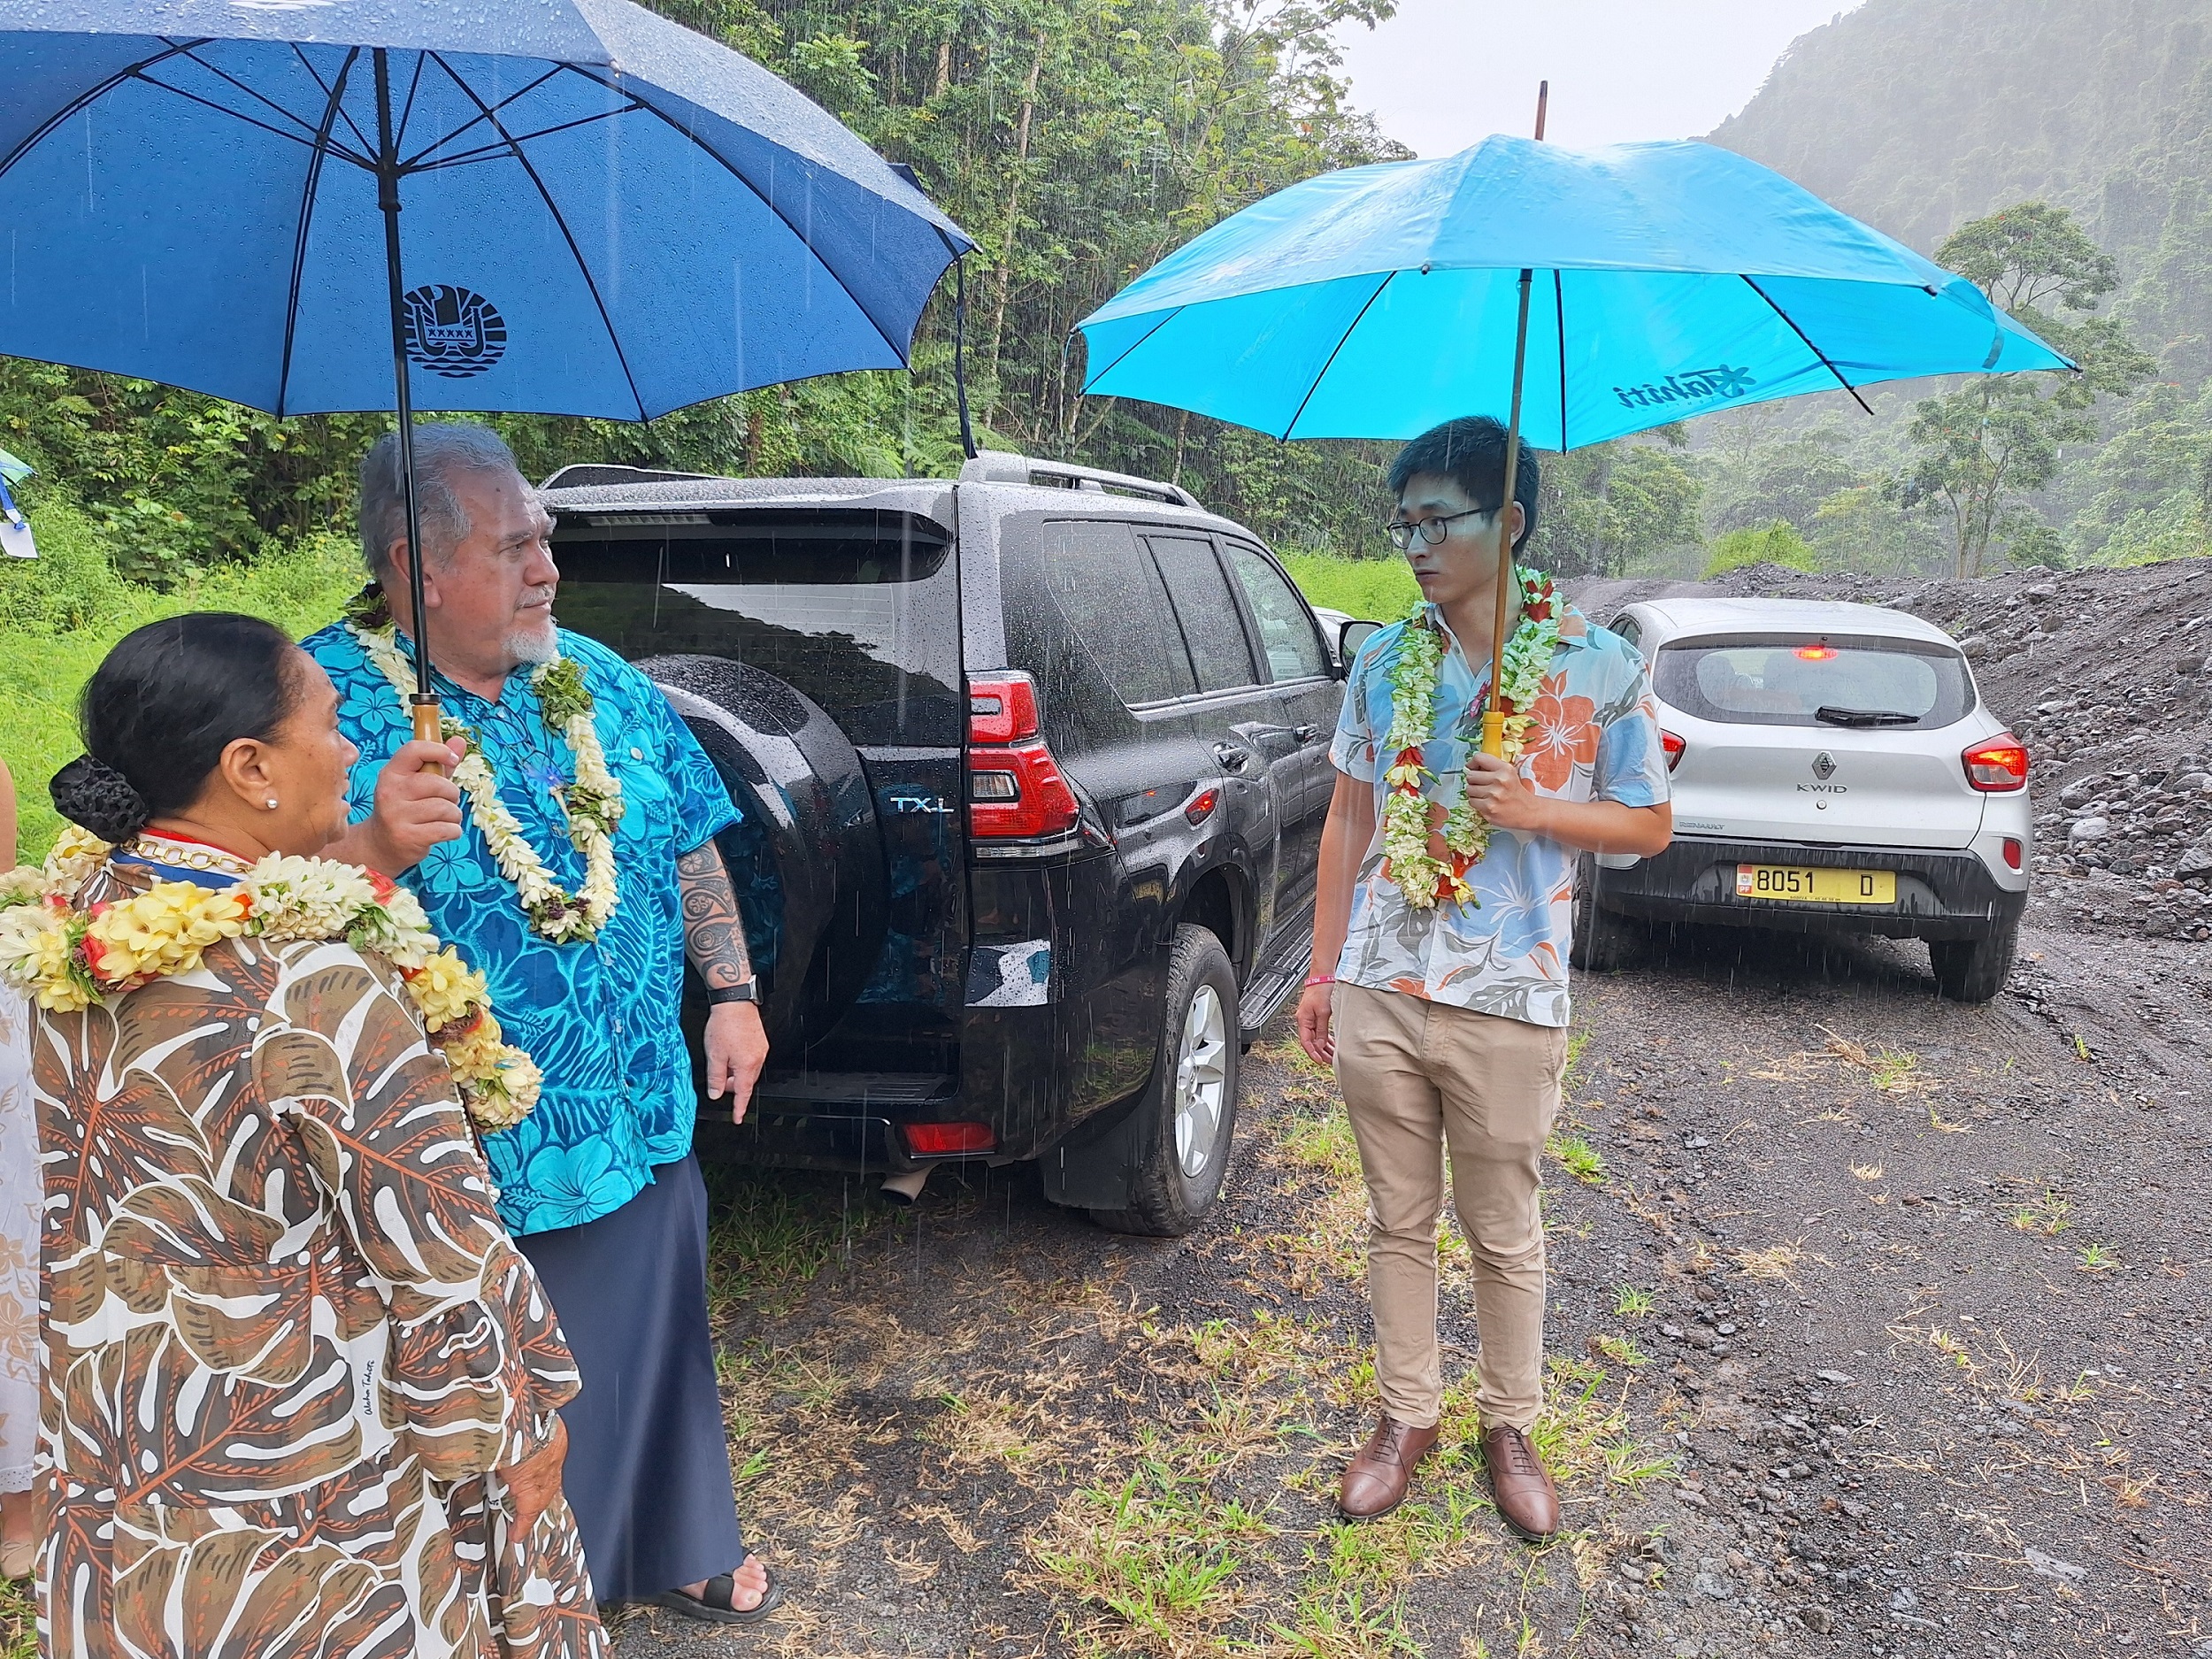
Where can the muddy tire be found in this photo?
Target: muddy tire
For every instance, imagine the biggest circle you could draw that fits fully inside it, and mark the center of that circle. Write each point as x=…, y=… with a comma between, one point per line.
x=1187, y=1118
x=1974, y=970
x=1603, y=942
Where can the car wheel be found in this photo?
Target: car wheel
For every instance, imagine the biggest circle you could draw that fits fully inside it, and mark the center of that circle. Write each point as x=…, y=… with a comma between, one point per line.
x=1603, y=942
x=1974, y=970
x=1189, y=1114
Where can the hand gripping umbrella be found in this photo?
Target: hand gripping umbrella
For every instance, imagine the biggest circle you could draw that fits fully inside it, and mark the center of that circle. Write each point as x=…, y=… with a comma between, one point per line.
x=1667, y=280
x=605, y=214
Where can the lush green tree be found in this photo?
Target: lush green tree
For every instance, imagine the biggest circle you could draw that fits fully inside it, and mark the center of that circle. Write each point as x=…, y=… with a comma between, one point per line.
x=1777, y=543
x=2000, y=437
x=1612, y=506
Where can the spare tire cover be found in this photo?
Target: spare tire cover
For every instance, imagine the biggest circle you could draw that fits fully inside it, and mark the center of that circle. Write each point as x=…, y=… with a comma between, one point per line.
x=807, y=858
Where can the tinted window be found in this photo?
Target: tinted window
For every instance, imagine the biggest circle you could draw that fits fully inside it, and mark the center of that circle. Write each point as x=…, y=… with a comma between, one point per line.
x=1288, y=642
x=1203, y=605
x=1773, y=679
x=859, y=612
x=1626, y=627
x=1115, y=605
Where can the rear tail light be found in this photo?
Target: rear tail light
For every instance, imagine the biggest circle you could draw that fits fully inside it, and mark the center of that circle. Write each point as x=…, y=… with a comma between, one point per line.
x=1015, y=789
x=1998, y=766
x=1674, y=746
x=1202, y=807
x=942, y=1140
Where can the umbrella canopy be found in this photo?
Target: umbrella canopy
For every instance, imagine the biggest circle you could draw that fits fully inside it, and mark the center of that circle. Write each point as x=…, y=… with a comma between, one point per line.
x=14, y=471
x=602, y=213
x=1670, y=280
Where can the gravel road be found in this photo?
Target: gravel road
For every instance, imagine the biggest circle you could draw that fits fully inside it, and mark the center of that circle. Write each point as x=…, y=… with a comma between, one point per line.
x=1878, y=1327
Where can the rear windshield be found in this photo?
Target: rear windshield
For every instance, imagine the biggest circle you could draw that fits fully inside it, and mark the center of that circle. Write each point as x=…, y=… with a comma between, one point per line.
x=1816, y=680
x=842, y=608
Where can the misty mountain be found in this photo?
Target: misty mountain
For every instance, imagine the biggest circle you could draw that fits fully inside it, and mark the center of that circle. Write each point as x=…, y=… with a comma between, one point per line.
x=1916, y=115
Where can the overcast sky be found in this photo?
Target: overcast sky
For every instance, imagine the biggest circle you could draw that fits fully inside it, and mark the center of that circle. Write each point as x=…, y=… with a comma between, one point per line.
x=1443, y=74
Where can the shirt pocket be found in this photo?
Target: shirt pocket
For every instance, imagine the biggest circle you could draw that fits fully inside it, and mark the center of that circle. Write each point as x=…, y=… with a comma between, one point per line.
x=649, y=802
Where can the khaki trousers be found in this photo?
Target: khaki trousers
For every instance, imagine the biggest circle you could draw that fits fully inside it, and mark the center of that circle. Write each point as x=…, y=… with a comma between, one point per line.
x=1420, y=1078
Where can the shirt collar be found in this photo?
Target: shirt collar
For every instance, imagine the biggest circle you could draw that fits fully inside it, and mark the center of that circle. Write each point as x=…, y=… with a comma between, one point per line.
x=1574, y=629
x=517, y=679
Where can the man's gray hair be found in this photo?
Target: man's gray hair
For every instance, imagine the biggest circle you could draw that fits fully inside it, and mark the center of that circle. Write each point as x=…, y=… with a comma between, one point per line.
x=442, y=451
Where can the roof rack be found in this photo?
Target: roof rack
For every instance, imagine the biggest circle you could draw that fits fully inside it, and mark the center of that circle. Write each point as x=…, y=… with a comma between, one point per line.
x=998, y=466
x=598, y=474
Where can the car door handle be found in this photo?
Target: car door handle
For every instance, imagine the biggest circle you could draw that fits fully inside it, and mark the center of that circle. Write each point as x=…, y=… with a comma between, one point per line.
x=1232, y=756
x=1305, y=734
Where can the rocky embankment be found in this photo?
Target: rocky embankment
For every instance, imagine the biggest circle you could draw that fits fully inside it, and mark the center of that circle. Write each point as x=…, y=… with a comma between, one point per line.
x=2107, y=676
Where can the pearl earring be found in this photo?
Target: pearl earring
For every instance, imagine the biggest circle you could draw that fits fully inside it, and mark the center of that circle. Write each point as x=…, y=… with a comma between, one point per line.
x=270, y=804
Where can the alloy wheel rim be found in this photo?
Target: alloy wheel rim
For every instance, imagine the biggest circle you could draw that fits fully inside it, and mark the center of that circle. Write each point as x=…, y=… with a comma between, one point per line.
x=1201, y=1081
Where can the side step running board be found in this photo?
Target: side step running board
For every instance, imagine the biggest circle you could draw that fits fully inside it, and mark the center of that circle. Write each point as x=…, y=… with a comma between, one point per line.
x=1271, y=988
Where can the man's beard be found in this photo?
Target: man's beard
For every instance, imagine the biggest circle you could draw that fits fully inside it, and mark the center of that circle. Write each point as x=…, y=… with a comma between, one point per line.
x=533, y=643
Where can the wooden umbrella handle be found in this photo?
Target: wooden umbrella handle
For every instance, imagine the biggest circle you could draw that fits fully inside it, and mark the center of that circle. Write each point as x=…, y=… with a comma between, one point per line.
x=429, y=723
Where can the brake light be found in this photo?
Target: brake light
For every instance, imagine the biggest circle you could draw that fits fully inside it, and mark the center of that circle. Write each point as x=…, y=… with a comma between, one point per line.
x=940, y=1141
x=1015, y=789
x=1673, y=746
x=1816, y=653
x=1001, y=709
x=1203, y=807
x=1998, y=766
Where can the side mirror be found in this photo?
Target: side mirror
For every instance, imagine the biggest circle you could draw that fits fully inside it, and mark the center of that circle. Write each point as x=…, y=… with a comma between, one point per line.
x=1349, y=637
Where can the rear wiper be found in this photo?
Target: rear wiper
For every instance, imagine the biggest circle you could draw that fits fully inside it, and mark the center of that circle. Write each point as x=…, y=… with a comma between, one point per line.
x=1831, y=716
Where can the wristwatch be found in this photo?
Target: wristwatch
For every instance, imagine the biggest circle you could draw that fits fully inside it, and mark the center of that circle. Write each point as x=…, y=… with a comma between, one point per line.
x=748, y=992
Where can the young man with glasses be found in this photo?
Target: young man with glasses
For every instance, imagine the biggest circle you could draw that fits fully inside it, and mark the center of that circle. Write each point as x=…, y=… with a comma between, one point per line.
x=1446, y=1017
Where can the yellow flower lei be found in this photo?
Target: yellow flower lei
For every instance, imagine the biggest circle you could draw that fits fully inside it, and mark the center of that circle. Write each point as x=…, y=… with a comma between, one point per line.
x=66, y=959
x=592, y=804
x=1425, y=879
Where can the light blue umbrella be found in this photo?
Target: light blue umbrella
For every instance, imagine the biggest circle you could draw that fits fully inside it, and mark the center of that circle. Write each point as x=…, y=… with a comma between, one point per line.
x=1665, y=280
x=560, y=206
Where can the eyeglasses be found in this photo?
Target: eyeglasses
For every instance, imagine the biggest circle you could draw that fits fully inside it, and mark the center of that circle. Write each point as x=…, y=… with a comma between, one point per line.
x=1433, y=530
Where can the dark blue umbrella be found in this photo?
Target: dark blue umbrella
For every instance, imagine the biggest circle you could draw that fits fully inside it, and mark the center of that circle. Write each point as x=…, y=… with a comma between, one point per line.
x=559, y=206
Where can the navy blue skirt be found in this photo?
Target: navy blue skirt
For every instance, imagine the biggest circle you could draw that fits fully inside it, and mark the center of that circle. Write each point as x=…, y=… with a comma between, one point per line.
x=649, y=1468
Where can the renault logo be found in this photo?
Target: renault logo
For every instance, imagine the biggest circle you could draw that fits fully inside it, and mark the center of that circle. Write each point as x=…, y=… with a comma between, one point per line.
x=1824, y=765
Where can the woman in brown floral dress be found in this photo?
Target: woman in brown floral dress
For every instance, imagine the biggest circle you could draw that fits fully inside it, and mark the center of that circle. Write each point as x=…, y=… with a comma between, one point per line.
x=301, y=1389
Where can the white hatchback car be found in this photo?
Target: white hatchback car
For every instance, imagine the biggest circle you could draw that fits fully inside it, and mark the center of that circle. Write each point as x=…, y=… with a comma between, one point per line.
x=1835, y=771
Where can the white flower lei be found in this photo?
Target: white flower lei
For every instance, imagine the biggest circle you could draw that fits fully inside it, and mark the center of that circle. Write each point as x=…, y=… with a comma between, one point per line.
x=1425, y=879
x=593, y=804
x=66, y=959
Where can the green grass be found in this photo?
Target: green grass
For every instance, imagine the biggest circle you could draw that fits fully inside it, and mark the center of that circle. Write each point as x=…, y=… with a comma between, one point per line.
x=59, y=616
x=1381, y=590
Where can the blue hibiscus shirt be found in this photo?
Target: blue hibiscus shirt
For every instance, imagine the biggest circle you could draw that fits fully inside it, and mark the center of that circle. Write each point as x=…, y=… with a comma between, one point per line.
x=599, y=1019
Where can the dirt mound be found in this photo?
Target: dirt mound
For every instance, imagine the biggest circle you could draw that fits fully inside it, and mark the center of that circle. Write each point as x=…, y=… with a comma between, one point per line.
x=2107, y=676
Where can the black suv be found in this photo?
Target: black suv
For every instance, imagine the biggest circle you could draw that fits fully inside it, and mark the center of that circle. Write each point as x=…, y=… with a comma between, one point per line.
x=1034, y=766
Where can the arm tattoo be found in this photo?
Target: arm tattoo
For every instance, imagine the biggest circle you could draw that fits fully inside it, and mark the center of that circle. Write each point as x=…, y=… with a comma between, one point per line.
x=714, y=934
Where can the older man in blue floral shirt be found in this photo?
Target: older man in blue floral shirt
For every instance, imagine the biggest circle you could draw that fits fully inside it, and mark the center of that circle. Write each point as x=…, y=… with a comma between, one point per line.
x=576, y=868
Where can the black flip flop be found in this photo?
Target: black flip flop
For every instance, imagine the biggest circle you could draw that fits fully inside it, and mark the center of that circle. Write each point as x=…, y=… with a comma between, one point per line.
x=714, y=1607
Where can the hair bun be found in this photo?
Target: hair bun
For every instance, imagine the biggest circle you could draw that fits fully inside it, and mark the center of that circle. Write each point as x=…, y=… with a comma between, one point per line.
x=93, y=795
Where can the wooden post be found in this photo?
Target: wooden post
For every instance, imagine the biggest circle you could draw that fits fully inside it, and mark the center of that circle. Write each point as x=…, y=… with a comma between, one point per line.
x=1493, y=715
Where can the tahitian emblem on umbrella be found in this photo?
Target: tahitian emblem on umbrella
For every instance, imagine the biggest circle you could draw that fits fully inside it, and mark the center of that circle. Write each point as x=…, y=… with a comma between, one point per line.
x=1687, y=386
x=452, y=331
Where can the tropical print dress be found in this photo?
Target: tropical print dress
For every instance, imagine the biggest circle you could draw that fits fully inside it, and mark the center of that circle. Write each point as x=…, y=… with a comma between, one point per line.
x=287, y=1338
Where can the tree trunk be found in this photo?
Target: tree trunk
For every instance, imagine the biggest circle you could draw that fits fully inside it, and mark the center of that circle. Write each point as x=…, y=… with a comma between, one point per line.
x=944, y=70
x=1005, y=272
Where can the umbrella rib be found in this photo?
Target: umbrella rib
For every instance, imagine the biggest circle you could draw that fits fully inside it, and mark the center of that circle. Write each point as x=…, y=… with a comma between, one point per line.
x=1343, y=339
x=129, y=71
x=1810, y=346
x=738, y=173
x=583, y=268
x=229, y=79
x=414, y=85
x=352, y=125
x=467, y=156
x=337, y=93
x=414, y=163
x=1090, y=381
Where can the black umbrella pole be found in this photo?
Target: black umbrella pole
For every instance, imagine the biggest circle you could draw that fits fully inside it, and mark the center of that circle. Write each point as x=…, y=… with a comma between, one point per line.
x=428, y=717
x=1493, y=715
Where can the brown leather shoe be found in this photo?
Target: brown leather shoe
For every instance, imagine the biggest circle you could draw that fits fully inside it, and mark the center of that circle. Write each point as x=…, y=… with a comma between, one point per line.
x=1376, y=1482
x=1525, y=1496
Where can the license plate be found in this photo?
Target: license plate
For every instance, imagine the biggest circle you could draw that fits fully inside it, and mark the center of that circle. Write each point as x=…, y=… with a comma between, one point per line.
x=1793, y=883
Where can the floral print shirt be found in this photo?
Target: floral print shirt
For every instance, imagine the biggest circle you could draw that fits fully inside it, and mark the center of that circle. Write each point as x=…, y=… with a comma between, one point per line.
x=599, y=1019
x=1595, y=738
x=287, y=1345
